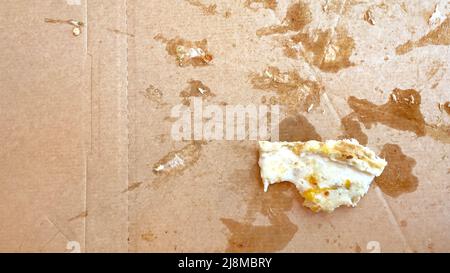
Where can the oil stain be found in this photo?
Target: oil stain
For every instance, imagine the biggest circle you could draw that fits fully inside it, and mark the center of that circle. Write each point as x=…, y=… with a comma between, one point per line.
x=403, y=223
x=328, y=50
x=358, y=248
x=352, y=129
x=266, y=4
x=154, y=95
x=148, y=236
x=82, y=215
x=206, y=9
x=297, y=17
x=397, y=178
x=179, y=160
x=195, y=89
x=296, y=93
x=401, y=112
x=248, y=237
x=297, y=128
x=245, y=234
x=446, y=107
x=436, y=66
x=194, y=53
x=438, y=36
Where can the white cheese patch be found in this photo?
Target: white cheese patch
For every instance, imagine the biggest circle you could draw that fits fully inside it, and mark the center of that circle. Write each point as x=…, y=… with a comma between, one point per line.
x=327, y=174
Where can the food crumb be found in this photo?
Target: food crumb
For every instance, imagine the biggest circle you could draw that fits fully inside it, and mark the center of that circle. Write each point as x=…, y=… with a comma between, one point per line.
x=77, y=25
x=368, y=17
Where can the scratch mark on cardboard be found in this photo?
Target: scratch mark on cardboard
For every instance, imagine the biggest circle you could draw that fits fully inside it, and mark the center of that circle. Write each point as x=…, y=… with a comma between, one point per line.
x=120, y=32
x=132, y=186
x=82, y=215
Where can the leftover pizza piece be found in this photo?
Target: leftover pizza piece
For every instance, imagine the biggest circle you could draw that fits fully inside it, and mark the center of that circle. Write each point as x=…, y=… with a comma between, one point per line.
x=327, y=174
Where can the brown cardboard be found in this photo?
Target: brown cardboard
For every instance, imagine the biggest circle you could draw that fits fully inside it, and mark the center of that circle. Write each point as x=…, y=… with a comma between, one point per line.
x=85, y=119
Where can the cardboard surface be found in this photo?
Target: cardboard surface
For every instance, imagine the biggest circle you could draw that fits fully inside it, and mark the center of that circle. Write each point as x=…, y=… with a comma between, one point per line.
x=85, y=119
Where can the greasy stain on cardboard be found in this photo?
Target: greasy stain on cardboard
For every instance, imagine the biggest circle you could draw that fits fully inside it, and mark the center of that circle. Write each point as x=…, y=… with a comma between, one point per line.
x=179, y=160
x=293, y=91
x=206, y=9
x=297, y=128
x=297, y=17
x=438, y=36
x=187, y=53
x=401, y=112
x=329, y=50
x=397, y=178
x=352, y=129
x=195, y=88
x=247, y=236
x=148, y=236
x=445, y=106
x=154, y=95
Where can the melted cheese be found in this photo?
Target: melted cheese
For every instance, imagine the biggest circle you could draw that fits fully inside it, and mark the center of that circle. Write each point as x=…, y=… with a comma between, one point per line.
x=327, y=174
